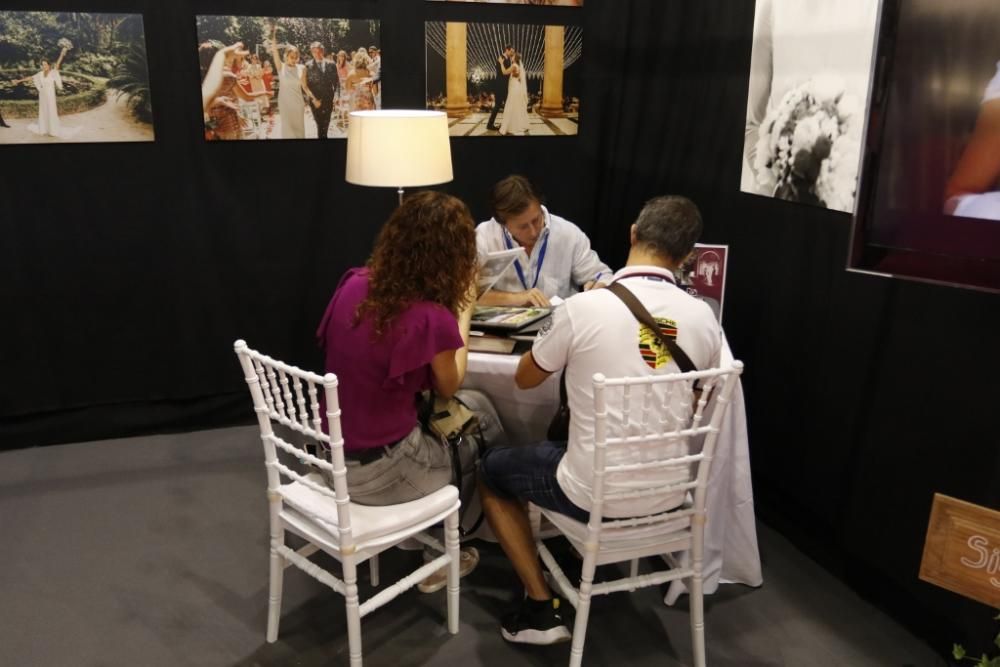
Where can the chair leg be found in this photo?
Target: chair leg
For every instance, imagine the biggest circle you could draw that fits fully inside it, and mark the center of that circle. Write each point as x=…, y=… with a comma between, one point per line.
x=274, y=590
x=353, y=611
x=452, y=549
x=633, y=573
x=373, y=570
x=580, y=625
x=697, y=617
x=583, y=604
x=535, y=521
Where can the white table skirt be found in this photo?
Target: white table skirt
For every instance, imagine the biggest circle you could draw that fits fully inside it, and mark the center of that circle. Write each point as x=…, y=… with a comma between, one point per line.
x=731, y=554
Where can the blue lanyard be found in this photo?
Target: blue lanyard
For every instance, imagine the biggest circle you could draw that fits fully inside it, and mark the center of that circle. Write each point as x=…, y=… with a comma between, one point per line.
x=517, y=262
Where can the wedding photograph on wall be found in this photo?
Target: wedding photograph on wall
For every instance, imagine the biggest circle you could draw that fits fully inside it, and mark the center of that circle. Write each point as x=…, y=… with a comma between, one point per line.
x=73, y=77
x=549, y=3
x=809, y=73
x=504, y=79
x=287, y=78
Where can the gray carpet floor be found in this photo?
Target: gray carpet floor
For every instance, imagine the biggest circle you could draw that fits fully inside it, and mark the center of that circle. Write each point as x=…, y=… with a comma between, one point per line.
x=153, y=551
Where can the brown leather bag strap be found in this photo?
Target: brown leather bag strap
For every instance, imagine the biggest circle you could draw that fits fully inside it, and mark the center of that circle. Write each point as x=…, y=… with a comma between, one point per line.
x=641, y=314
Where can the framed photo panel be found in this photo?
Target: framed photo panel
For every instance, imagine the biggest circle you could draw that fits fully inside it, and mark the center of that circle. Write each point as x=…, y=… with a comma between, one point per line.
x=505, y=79
x=810, y=66
x=73, y=77
x=267, y=77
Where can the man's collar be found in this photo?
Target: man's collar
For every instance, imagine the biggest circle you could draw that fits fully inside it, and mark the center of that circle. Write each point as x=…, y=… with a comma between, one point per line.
x=645, y=270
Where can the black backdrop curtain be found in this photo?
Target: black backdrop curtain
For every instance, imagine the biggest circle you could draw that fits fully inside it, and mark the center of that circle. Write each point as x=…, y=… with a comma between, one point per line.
x=130, y=269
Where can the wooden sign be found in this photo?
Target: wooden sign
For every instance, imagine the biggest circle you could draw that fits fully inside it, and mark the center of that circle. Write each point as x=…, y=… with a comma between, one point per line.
x=962, y=550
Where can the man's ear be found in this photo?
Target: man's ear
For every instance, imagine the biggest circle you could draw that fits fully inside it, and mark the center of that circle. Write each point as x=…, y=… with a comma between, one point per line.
x=631, y=235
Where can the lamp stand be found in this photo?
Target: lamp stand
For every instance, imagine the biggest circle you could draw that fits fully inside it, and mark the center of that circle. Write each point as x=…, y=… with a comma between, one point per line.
x=400, y=191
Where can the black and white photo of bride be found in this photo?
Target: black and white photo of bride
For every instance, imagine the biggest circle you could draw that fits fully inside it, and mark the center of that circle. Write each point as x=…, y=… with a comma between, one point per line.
x=808, y=87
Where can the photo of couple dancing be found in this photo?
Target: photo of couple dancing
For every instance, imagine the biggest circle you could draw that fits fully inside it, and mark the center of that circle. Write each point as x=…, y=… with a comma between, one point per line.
x=511, y=92
x=264, y=86
x=504, y=79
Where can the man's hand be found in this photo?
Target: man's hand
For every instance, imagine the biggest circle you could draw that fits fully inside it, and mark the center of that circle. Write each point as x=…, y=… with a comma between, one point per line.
x=531, y=297
x=317, y=103
x=534, y=297
x=593, y=284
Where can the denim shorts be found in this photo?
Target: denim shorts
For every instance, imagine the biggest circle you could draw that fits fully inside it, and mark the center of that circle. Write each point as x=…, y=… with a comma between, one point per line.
x=528, y=472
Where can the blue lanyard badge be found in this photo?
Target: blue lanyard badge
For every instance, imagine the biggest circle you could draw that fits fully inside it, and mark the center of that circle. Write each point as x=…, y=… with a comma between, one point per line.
x=517, y=262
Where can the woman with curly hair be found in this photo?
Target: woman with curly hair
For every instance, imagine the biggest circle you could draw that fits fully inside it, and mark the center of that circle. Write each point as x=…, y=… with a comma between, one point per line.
x=394, y=329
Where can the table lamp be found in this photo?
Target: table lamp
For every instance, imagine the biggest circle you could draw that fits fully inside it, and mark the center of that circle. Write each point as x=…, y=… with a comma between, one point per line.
x=398, y=148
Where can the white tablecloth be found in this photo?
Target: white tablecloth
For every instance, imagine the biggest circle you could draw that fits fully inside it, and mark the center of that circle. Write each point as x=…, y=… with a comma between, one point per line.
x=731, y=554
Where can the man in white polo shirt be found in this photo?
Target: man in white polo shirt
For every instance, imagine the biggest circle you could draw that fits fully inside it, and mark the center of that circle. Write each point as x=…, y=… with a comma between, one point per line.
x=595, y=332
x=560, y=259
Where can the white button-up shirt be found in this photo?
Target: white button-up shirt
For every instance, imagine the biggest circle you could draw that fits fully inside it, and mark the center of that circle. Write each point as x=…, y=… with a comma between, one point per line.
x=567, y=265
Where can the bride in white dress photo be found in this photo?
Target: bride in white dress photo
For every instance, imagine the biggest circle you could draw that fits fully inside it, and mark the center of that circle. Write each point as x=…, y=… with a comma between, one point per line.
x=795, y=41
x=46, y=82
x=515, y=111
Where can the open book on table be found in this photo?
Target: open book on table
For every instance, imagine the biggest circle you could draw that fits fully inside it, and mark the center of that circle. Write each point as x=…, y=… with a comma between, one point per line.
x=507, y=319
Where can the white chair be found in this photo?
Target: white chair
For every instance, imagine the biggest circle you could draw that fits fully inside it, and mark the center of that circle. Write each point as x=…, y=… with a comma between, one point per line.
x=303, y=504
x=655, y=411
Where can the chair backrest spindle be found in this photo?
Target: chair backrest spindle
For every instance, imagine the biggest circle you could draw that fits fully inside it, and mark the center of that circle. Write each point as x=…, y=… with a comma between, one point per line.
x=678, y=443
x=279, y=394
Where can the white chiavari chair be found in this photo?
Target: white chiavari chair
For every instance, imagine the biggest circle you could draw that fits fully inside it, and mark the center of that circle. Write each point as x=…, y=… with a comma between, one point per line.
x=678, y=426
x=301, y=502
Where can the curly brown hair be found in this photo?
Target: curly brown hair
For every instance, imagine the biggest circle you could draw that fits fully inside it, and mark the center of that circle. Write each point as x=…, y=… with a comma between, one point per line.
x=425, y=252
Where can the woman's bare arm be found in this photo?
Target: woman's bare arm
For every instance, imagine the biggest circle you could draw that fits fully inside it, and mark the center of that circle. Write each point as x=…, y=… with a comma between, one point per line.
x=62, y=55
x=979, y=167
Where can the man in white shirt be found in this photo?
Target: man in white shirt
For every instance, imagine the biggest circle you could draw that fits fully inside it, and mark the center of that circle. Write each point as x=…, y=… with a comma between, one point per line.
x=596, y=332
x=560, y=260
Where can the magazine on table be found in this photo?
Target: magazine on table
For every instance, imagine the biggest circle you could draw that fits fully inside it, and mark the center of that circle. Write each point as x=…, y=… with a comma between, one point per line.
x=703, y=275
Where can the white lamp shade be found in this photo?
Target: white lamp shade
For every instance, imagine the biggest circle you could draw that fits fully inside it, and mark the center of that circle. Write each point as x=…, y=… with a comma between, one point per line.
x=398, y=148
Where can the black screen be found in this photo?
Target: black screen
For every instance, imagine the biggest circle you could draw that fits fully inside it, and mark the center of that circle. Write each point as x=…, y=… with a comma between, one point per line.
x=928, y=140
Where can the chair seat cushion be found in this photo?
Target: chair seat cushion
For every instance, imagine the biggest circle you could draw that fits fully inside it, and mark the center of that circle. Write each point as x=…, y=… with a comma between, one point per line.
x=641, y=538
x=368, y=523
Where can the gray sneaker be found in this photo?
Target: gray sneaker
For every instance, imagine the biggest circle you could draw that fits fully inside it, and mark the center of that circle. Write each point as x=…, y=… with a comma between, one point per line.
x=466, y=564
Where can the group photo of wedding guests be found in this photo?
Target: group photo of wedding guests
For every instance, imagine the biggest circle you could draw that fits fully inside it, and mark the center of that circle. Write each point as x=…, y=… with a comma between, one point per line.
x=77, y=77
x=504, y=80
x=286, y=78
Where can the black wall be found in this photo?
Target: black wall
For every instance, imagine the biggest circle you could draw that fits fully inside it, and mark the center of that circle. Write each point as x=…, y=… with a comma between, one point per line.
x=128, y=270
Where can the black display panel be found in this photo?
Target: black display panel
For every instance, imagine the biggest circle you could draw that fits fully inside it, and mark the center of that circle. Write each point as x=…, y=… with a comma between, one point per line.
x=929, y=201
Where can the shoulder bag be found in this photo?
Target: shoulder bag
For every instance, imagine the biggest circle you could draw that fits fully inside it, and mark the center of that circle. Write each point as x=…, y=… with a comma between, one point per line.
x=559, y=426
